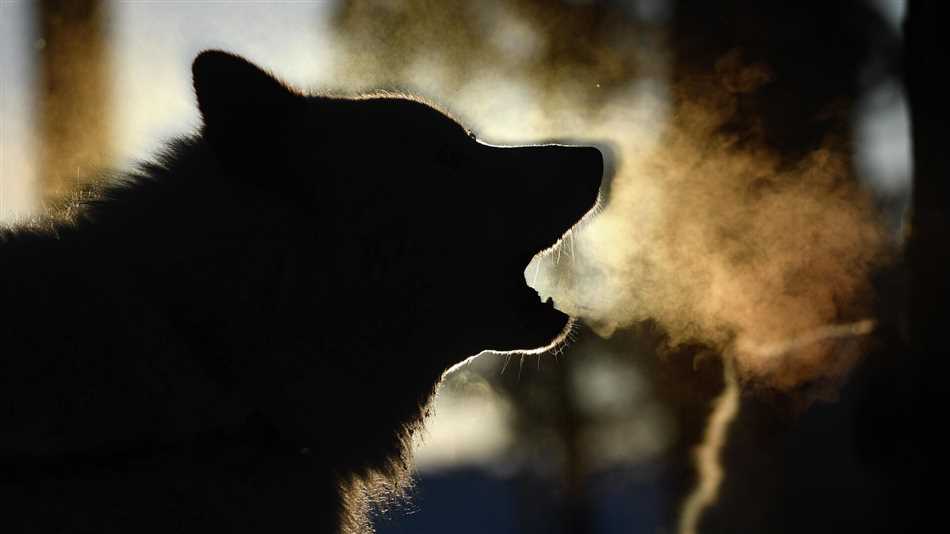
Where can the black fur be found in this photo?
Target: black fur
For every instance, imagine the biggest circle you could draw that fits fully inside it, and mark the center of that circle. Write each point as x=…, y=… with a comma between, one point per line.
x=243, y=334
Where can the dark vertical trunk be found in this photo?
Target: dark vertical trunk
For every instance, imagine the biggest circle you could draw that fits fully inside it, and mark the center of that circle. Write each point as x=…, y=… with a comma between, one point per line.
x=73, y=96
x=577, y=515
x=927, y=247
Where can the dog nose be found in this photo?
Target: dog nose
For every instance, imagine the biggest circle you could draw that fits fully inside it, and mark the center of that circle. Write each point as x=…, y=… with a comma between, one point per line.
x=583, y=172
x=593, y=174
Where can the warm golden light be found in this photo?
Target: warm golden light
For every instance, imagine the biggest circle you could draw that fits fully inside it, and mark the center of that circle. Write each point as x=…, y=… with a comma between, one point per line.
x=719, y=238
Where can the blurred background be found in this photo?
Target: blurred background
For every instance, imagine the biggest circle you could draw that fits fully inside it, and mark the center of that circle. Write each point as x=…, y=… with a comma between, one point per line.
x=754, y=329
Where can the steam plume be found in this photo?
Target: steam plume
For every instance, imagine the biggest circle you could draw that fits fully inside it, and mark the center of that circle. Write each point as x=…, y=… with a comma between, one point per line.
x=723, y=241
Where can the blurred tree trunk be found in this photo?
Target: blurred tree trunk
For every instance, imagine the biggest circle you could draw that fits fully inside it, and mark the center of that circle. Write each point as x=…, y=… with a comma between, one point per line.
x=927, y=244
x=73, y=95
x=927, y=247
x=577, y=517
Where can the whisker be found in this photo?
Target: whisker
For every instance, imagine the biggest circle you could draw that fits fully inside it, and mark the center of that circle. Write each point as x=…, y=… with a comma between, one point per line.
x=507, y=361
x=570, y=234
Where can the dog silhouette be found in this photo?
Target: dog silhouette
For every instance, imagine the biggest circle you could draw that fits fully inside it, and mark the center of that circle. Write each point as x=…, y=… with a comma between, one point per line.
x=243, y=333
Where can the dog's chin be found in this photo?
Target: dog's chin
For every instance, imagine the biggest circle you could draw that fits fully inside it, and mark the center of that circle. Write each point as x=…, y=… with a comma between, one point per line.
x=537, y=325
x=547, y=329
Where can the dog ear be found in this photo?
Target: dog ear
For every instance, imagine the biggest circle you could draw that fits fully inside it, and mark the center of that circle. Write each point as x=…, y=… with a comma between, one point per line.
x=245, y=111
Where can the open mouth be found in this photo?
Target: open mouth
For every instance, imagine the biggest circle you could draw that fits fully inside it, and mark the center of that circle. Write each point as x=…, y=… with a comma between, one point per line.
x=571, y=195
x=538, y=315
x=540, y=322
